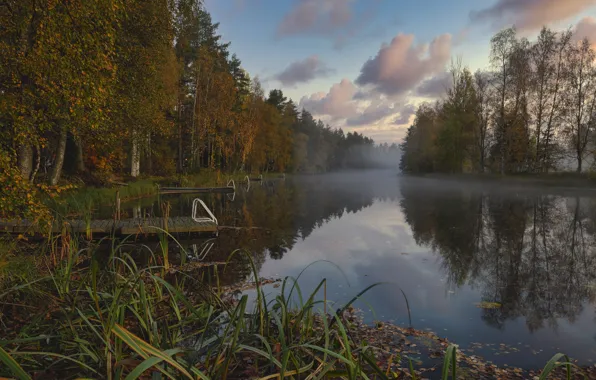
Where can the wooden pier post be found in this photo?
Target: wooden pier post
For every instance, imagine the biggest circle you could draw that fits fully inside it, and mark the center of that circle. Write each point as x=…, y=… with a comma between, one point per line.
x=117, y=205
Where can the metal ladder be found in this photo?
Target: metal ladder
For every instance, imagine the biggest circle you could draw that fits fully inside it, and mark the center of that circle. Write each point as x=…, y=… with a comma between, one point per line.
x=200, y=255
x=195, y=205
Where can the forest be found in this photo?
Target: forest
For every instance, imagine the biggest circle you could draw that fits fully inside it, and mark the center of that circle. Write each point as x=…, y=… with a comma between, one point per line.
x=533, y=111
x=102, y=88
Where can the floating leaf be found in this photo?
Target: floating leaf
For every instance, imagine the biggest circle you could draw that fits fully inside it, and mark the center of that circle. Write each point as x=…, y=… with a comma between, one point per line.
x=488, y=305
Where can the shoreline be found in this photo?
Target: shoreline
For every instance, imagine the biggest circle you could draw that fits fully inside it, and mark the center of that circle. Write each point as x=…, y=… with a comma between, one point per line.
x=75, y=202
x=407, y=352
x=427, y=351
x=556, y=181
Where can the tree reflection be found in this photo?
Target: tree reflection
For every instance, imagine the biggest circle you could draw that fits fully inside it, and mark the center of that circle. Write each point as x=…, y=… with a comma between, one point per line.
x=270, y=218
x=533, y=254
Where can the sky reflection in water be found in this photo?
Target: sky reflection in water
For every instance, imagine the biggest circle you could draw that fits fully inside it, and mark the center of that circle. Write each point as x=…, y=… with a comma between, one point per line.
x=448, y=245
x=468, y=245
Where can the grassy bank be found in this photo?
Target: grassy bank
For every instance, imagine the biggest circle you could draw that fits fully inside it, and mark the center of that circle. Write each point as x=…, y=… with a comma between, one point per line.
x=72, y=311
x=76, y=202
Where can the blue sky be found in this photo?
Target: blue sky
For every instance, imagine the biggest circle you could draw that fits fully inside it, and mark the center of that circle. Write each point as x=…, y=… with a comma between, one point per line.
x=327, y=55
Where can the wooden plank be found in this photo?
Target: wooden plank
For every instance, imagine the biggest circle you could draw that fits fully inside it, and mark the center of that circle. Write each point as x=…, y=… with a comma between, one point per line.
x=121, y=227
x=127, y=227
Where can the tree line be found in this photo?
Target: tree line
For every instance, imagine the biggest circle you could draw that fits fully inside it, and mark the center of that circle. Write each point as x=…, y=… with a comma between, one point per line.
x=531, y=112
x=95, y=88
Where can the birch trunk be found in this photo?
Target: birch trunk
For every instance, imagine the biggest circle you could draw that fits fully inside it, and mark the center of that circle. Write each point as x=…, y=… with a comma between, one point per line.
x=25, y=160
x=135, y=156
x=60, y=150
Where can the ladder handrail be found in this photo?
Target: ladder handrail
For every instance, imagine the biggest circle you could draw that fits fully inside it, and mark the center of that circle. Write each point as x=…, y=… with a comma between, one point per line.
x=195, y=204
x=206, y=247
x=201, y=256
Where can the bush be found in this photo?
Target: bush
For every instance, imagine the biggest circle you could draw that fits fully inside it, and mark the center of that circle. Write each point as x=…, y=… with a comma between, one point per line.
x=19, y=198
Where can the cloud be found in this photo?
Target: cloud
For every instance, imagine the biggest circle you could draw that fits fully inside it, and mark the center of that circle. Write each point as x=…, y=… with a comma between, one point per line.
x=586, y=28
x=400, y=66
x=346, y=104
x=316, y=16
x=337, y=103
x=384, y=134
x=334, y=19
x=405, y=114
x=376, y=111
x=361, y=95
x=434, y=87
x=303, y=71
x=355, y=110
x=528, y=15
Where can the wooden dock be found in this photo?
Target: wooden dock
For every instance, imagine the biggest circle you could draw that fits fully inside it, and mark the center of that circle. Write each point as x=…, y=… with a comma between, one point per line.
x=124, y=227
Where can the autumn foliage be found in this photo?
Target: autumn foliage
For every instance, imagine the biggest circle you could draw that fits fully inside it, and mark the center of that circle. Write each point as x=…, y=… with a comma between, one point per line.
x=533, y=111
x=101, y=88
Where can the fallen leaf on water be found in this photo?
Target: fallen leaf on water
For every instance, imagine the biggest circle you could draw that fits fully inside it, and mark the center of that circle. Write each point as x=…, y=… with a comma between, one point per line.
x=488, y=305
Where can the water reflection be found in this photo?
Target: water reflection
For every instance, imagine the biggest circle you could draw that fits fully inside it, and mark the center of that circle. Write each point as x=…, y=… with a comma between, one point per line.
x=448, y=246
x=532, y=253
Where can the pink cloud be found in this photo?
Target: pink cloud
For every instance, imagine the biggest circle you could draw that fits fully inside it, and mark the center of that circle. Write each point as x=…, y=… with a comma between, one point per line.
x=401, y=66
x=436, y=86
x=303, y=71
x=376, y=111
x=333, y=19
x=348, y=107
x=337, y=103
x=586, y=28
x=528, y=15
x=405, y=114
x=316, y=16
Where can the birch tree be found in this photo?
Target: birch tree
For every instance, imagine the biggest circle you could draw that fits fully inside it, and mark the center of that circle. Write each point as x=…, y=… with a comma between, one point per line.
x=483, y=114
x=581, y=98
x=554, y=106
x=502, y=48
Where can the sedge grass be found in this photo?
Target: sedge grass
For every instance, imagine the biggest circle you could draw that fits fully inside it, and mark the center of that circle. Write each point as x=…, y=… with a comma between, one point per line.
x=119, y=320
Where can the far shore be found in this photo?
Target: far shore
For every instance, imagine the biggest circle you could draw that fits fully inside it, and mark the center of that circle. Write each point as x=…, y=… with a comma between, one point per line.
x=557, y=180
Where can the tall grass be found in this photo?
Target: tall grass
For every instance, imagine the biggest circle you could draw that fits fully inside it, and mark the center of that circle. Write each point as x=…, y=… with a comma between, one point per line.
x=210, y=178
x=109, y=317
x=80, y=202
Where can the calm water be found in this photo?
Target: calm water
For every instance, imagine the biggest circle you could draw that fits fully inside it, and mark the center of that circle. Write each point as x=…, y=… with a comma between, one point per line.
x=448, y=246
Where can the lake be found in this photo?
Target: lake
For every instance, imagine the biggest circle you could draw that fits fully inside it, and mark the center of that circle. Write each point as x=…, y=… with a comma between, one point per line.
x=509, y=272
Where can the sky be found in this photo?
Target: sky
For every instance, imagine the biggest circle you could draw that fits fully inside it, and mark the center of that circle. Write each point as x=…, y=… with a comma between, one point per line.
x=366, y=65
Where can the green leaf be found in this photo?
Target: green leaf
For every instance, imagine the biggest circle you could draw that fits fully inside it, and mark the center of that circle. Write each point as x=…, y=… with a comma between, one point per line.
x=149, y=363
x=146, y=350
x=450, y=361
x=558, y=360
x=14, y=367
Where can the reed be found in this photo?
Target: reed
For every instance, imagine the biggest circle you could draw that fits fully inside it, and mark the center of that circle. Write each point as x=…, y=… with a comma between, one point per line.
x=76, y=202
x=109, y=317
